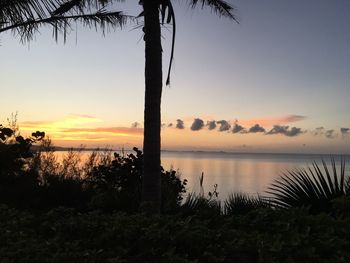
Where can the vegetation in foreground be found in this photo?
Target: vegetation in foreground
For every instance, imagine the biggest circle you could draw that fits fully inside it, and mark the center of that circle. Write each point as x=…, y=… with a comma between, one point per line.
x=52, y=211
x=261, y=235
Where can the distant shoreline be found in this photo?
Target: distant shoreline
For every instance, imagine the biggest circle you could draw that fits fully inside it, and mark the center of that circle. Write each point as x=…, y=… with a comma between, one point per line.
x=63, y=149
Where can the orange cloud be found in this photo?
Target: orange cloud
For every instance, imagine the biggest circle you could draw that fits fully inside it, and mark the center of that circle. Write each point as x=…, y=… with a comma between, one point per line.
x=70, y=121
x=111, y=131
x=79, y=128
x=269, y=122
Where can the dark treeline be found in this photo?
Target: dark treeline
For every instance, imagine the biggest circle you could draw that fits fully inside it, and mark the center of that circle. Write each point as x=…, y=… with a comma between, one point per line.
x=108, y=181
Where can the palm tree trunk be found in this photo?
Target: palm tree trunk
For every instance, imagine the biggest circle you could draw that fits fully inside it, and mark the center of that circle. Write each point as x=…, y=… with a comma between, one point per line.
x=151, y=192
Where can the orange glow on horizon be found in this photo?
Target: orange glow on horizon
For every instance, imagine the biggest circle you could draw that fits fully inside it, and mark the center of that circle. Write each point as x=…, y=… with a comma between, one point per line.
x=75, y=131
x=82, y=128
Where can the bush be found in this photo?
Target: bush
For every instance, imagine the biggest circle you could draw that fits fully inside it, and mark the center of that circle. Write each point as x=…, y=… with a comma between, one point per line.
x=15, y=151
x=18, y=186
x=38, y=181
x=203, y=207
x=64, y=234
x=118, y=184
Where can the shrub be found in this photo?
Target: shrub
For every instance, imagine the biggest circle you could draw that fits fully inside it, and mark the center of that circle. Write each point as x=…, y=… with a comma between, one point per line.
x=118, y=184
x=18, y=186
x=15, y=151
x=201, y=206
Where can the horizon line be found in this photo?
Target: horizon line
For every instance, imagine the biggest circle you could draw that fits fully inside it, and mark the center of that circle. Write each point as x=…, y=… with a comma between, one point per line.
x=67, y=148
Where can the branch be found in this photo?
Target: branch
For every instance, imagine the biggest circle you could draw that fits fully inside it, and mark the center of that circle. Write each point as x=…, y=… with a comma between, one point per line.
x=101, y=18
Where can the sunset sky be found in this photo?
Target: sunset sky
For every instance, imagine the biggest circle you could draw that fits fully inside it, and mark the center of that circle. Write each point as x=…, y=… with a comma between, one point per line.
x=277, y=82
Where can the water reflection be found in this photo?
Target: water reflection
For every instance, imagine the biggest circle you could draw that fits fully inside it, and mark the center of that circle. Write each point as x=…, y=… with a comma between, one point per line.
x=245, y=173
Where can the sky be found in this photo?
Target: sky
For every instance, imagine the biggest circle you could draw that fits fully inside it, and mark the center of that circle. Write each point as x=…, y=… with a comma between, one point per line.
x=279, y=81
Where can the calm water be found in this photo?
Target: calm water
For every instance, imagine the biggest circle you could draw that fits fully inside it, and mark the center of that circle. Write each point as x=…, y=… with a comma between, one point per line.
x=246, y=173
x=234, y=172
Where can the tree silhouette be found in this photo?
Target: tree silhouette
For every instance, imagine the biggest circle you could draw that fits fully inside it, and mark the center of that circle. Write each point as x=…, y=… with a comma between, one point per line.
x=25, y=16
x=155, y=13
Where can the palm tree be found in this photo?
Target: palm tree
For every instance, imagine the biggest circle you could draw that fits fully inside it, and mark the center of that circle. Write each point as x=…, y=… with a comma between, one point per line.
x=29, y=14
x=155, y=12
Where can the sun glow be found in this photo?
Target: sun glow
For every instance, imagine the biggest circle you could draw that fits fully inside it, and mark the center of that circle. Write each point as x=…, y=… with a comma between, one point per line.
x=77, y=129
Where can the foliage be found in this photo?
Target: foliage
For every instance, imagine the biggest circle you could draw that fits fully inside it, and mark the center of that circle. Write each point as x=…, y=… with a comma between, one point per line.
x=201, y=206
x=39, y=181
x=25, y=17
x=15, y=150
x=260, y=236
x=239, y=203
x=313, y=188
x=245, y=230
x=119, y=183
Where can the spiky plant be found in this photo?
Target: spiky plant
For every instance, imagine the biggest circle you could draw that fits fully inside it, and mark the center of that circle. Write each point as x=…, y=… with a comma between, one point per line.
x=239, y=203
x=313, y=187
x=201, y=206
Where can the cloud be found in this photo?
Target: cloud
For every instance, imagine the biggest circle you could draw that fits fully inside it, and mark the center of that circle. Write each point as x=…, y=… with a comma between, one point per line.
x=54, y=127
x=116, y=131
x=270, y=121
x=256, y=128
x=197, y=124
x=293, y=118
x=180, y=124
x=237, y=128
x=211, y=125
x=294, y=131
x=321, y=131
x=74, y=129
x=136, y=125
x=345, y=132
x=224, y=125
x=318, y=131
x=69, y=121
x=330, y=134
x=278, y=129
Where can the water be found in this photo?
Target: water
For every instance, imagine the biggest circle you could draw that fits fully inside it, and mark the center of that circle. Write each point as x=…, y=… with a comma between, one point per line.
x=234, y=172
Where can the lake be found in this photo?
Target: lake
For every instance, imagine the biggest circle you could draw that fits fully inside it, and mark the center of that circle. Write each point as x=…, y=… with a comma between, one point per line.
x=249, y=173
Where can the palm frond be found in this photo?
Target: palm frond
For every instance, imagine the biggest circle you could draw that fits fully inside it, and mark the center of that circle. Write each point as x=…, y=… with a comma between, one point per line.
x=219, y=7
x=199, y=205
x=17, y=11
x=312, y=187
x=239, y=203
x=61, y=24
x=25, y=17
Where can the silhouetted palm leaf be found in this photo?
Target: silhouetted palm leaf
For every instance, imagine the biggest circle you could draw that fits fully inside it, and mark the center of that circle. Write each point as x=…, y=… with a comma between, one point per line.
x=25, y=17
x=199, y=205
x=311, y=187
x=220, y=7
x=238, y=203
